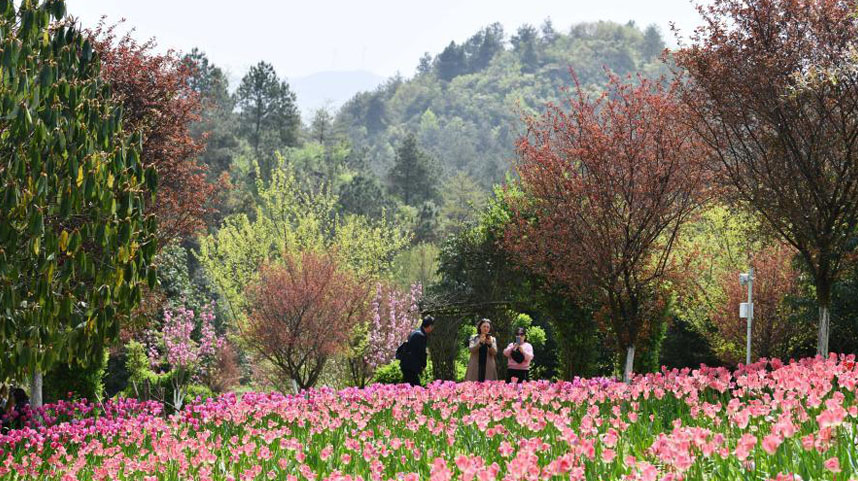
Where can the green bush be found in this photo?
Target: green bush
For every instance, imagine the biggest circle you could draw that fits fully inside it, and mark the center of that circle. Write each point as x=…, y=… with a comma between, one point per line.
x=198, y=391
x=389, y=373
x=81, y=381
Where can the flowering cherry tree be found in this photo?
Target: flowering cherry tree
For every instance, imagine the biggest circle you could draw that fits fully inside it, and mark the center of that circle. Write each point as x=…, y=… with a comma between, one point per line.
x=176, y=348
x=393, y=315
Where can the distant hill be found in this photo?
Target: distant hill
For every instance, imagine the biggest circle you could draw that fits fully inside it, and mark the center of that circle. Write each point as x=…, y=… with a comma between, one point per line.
x=465, y=103
x=331, y=89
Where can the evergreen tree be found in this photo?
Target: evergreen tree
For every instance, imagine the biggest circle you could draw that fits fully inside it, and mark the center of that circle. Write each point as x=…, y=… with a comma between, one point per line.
x=425, y=65
x=217, y=121
x=549, y=35
x=321, y=127
x=452, y=62
x=482, y=47
x=653, y=44
x=524, y=44
x=413, y=176
x=268, y=114
x=363, y=195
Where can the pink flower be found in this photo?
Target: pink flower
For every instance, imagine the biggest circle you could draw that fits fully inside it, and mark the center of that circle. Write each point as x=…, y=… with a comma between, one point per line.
x=832, y=464
x=771, y=443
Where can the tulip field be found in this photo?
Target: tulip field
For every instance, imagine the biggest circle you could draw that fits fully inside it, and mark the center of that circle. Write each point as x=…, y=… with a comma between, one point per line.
x=767, y=421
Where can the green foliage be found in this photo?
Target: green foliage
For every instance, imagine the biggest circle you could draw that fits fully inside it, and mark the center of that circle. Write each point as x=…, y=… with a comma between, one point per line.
x=413, y=176
x=291, y=220
x=536, y=335
x=461, y=199
x=75, y=244
x=389, y=373
x=143, y=383
x=719, y=241
x=81, y=381
x=268, y=114
x=217, y=122
x=465, y=104
x=418, y=263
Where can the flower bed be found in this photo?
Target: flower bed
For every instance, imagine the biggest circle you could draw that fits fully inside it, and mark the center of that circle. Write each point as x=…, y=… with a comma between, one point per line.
x=768, y=421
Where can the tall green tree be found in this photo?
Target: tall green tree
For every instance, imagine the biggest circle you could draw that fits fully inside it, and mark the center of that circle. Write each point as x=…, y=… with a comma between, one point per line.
x=413, y=177
x=217, y=124
x=75, y=243
x=268, y=113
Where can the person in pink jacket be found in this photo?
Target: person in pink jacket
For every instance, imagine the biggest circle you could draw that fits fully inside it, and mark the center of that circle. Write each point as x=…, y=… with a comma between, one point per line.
x=519, y=354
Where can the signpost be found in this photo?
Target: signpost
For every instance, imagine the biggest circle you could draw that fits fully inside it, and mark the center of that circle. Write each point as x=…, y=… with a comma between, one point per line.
x=746, y=309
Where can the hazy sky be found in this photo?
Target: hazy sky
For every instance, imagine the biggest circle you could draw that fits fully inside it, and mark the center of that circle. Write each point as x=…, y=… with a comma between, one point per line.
x=379, y=36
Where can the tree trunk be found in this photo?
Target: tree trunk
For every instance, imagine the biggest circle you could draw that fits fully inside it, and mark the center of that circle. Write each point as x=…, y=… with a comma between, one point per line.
x=36, y=389
x=630, y=364
x=824, y=321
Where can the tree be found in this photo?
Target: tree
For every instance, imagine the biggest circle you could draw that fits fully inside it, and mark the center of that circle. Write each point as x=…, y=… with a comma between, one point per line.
x=158, y=102
x=178, y=353
x=392, y=316
x=653, y=44
x=291, y=220
x=302, y=313
x=425, y=65
x=217, y=125
x=547, y=32
x=412, y=177
x=776, y=333
x=481, y=48
x=451, y=62
x=268, y=113
x=785, y=136
x=75, y=240
x=524, y=45
x=363, y=195
x=321, y=126
x=606, y=187
x=462, y=201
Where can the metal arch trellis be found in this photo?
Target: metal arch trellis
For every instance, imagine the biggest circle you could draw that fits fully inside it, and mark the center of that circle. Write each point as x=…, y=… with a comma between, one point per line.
x=450, y=315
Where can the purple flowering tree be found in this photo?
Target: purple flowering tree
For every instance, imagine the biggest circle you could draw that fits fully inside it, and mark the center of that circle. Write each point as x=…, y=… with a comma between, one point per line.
x=393, y=314
x=187, y=347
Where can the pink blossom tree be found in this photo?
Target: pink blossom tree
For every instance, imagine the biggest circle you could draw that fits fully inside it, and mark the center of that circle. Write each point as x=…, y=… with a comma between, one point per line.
x=393, y=315
x=176, y=349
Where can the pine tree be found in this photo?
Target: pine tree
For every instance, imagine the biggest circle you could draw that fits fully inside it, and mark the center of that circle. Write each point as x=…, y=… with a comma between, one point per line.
x=413, y=176
x=268, y=113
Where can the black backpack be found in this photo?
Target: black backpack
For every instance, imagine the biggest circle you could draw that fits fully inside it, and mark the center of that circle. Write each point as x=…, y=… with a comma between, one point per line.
x=401, y=351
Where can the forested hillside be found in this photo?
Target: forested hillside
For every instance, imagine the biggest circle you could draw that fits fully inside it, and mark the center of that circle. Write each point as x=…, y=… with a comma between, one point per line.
x=465, y=104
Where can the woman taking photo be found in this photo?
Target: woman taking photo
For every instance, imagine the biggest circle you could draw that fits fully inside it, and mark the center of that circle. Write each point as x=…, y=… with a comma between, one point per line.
x=519, y=355
x=484, y=348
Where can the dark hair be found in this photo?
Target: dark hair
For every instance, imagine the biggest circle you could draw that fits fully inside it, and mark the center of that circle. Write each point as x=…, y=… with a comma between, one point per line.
x=480, y=324
x=428, y=321
x=521, y=331
x=20, y=396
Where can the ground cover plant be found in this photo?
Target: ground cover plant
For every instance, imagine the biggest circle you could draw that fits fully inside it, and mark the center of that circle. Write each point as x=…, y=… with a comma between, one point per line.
x=770, y=420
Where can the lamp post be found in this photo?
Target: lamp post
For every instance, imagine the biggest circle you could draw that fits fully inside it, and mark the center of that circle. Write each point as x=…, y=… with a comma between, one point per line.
x=746, y=309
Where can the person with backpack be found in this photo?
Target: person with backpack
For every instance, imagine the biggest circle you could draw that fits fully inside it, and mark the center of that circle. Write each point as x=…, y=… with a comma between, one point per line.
x=519, y=354
x=412, y=353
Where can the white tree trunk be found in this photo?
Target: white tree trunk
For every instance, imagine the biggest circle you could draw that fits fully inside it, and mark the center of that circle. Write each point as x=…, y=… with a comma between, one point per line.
x=630, y=364
x=824, y=321
x=36, y=389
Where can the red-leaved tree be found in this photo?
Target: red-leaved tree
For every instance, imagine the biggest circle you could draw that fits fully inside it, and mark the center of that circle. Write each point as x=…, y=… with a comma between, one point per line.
x=302, y=313
x=606, y=186
x=775, y=332
x=774, y=85
x=158, y=100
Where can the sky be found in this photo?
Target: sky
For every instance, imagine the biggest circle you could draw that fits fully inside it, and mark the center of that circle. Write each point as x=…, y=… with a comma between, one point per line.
x=304, y=37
